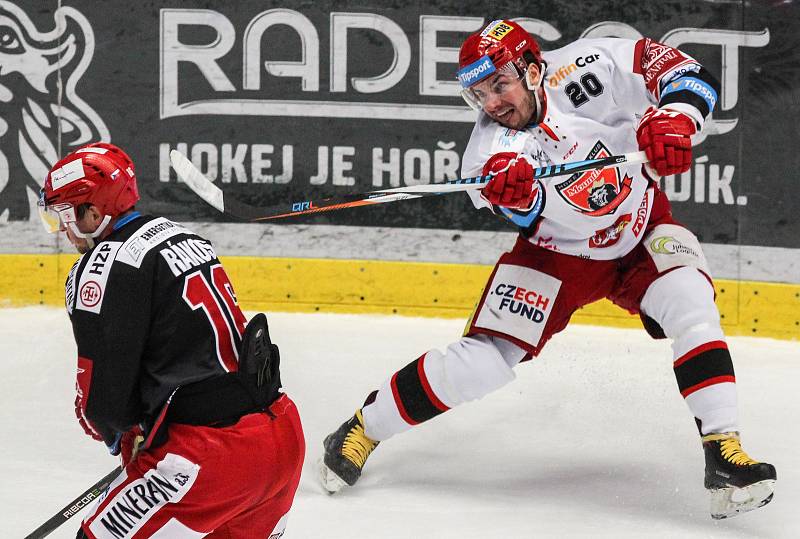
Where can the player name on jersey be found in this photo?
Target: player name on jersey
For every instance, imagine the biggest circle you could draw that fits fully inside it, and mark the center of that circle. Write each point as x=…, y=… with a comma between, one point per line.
x=187, y=254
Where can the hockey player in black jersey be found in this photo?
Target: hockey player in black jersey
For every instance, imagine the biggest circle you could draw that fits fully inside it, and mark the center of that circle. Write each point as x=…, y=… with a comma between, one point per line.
x=170, y=375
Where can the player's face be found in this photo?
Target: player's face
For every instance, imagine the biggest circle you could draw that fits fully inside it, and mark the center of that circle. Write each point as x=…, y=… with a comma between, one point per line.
x=87, y=224
x=80, y=244
x=507, y=100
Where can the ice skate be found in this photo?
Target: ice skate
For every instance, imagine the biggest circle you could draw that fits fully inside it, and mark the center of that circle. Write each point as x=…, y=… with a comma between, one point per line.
x=736, y=482
x=346, y=452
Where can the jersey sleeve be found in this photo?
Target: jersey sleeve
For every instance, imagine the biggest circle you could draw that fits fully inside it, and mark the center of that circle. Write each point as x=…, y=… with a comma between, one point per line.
x=665, y=76
x=110, y=316
x=676, y=80
x=647, y=73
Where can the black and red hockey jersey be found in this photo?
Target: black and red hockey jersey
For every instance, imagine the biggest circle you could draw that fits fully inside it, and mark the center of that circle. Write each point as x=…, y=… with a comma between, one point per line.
x=151, y=309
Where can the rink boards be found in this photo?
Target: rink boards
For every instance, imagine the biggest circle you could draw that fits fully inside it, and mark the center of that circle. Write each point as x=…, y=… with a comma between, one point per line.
x=447, y=290
x=373, y=104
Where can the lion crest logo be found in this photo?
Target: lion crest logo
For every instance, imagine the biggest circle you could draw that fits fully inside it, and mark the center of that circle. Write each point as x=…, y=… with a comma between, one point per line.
x=41, y=115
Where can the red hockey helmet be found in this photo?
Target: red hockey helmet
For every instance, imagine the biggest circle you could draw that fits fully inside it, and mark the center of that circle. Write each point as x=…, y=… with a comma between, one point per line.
x=99, y=173
x=502, y=46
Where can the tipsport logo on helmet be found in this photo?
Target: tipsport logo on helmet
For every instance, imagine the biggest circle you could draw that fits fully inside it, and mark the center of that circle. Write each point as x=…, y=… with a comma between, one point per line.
x=476, y=71
x=40, y=68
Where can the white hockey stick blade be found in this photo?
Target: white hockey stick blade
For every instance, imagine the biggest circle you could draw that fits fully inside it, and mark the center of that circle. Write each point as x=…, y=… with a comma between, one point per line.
x=732, y=501
x=331, y=482
x=198, y=183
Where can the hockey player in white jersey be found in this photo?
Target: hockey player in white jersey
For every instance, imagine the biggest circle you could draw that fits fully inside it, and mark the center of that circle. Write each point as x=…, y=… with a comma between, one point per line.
x=594, y=235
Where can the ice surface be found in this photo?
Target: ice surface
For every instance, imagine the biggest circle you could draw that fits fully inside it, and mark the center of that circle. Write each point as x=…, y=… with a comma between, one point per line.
x=591, y=439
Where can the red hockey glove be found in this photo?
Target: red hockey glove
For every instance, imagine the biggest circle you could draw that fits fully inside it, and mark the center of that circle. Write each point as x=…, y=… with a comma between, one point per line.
x=83, y=383
x=664, y=135
x=513, y=185
x=83, y=420
x=129, y=444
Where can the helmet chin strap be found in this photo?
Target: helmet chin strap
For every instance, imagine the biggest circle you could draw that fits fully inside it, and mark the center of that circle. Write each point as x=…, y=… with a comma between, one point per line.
x=89, y=236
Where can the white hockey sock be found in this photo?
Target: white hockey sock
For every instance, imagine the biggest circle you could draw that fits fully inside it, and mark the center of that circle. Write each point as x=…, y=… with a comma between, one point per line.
x=432, y=384
x=682, y=302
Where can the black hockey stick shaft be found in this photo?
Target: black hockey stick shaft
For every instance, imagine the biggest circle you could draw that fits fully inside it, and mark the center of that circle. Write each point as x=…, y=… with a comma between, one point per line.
x=214, y=196
x=74, y=507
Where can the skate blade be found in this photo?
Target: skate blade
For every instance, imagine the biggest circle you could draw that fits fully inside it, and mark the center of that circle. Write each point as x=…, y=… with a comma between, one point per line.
x=731, y=501
x=331, y=482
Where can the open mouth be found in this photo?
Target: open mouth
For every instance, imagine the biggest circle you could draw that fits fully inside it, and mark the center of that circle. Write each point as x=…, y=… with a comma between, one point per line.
x=505, y=114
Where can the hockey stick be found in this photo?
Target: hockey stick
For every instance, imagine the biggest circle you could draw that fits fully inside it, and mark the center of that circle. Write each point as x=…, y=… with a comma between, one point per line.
x=74, y=507
x=214, y=196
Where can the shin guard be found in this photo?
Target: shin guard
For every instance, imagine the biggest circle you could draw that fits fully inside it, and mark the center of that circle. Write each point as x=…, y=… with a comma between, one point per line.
x=682, y=303
x=434, y=383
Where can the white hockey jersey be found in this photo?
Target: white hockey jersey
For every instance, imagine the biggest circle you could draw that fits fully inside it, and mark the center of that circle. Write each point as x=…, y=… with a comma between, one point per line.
x=596, y=91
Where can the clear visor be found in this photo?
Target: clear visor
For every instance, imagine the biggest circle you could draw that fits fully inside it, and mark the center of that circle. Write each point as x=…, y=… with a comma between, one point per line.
x=497, y=84
x=55, y=217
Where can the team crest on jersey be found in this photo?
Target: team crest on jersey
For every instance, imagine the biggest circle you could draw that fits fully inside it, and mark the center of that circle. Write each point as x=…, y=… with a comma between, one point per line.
x=596, y=192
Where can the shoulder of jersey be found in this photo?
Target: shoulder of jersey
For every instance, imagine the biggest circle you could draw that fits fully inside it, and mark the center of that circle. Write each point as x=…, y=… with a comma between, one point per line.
x=563, y=52
x=581, y=53
x=149, y=234
x=86, y=288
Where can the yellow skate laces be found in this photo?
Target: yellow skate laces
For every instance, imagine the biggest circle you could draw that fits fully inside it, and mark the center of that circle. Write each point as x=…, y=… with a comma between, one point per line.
x=731, y=449
x=357, y=446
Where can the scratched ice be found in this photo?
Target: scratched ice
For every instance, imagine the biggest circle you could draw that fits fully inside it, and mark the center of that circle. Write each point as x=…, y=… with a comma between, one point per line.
x=591, y=440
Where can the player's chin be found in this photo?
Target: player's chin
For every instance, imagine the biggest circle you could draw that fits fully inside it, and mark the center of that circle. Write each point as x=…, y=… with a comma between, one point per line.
x=512, y=119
